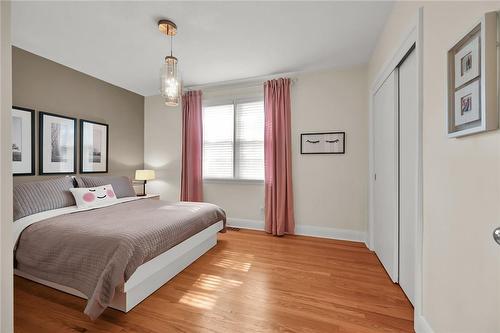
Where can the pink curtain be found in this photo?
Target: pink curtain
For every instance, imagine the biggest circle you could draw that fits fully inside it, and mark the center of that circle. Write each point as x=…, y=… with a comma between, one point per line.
x=278, y=158
x=192, y=140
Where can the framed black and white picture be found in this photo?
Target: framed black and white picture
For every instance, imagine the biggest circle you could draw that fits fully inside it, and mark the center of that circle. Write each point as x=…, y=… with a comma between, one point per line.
x=23, y=141
x=467, y=102
x=472, y=105
x=94, y=139
x=57, y=144
x=467, y=62
x=322, y=143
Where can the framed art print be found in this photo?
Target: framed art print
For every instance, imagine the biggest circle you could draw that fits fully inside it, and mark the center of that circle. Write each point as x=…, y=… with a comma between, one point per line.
x=23, y=141
x=467, y=62
x=467, y=104
x=94, y=139
x=472, y=105
x=57, y=144
x=322, y=143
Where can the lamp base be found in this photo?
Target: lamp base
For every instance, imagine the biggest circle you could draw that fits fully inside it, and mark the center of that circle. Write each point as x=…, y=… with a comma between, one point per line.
x=143, y=193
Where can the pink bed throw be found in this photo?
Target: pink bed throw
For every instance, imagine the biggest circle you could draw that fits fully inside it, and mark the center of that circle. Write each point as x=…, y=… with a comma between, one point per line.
x=96, y=251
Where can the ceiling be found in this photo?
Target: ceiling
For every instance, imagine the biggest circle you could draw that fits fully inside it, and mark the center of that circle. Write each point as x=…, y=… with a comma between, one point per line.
x=118, y=42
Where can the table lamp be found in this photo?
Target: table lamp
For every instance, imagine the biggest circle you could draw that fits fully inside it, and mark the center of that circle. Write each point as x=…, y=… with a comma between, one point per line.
x=144, y=175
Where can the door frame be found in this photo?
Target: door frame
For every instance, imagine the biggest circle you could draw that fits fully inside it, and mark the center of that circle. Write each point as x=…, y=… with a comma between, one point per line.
x=6, y=263
x=414, y=35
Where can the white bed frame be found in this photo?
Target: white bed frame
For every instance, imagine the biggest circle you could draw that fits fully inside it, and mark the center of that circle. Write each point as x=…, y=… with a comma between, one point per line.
x=154, y=273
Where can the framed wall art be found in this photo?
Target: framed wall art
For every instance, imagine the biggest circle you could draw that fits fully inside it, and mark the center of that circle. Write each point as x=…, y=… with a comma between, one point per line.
x=94, y=138
x=467, y=61
x=57, y=144
x=472, y=80
x=467, y=104
x=23, y=141
x=322, y=143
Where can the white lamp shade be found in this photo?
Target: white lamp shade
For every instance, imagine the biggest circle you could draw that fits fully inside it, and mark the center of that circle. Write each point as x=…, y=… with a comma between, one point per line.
x=144, y=174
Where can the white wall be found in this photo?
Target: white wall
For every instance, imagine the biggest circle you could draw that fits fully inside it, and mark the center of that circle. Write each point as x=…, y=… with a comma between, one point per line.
x=461, y=275
x=330, y=190
x=163, y=150
x=6, y=288
x=162, y=147
x=240, y=200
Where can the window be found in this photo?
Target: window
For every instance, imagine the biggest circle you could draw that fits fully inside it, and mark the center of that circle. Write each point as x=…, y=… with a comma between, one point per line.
x=233, y=141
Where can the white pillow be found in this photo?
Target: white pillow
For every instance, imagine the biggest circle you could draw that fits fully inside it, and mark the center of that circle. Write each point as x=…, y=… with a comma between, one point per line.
x=92, y=197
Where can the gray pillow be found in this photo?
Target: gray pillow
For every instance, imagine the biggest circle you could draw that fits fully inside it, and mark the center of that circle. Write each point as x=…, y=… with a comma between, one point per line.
x=121, y=184
x=79, y=182
x=35, y=197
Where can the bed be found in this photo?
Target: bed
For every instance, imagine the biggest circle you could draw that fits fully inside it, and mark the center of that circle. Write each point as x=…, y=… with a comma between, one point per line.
x=115, y=255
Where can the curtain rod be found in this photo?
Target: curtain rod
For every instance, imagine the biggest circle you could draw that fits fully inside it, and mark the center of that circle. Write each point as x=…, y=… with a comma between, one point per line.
x=244, y=83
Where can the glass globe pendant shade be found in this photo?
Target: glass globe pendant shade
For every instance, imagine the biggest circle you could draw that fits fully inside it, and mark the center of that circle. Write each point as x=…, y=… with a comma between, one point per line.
x=170, y=83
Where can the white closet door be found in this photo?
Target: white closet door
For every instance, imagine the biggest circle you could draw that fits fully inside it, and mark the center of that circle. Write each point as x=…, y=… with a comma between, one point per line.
x=408, y=173
x=385, y=115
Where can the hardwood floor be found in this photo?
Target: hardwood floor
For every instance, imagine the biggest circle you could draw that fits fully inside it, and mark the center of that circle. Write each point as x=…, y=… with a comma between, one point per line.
x=250, y=282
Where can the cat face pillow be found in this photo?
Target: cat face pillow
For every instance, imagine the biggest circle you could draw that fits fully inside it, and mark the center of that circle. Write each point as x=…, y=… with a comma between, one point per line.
x=94, y=196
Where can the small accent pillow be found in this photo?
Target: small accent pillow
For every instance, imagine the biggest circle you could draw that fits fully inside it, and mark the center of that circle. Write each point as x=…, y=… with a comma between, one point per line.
x=94, y=197
x=121, y=184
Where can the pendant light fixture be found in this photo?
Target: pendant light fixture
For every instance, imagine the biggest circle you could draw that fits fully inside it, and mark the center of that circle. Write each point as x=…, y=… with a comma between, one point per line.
x=169, y=76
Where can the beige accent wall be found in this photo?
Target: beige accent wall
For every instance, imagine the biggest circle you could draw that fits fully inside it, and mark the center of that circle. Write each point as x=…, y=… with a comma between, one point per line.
x=461, y=274
x=43, y=85
x=331, y=191
x=6, y=265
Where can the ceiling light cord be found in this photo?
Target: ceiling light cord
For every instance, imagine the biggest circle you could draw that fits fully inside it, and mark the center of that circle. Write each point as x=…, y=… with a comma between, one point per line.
x=171, y=44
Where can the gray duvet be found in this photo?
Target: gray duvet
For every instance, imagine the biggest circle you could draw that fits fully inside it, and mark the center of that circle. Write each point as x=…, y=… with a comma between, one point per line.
x=98, y=250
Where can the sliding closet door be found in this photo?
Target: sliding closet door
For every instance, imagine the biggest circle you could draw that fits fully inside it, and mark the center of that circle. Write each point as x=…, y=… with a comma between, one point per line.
x=408, y=173
x=385, y=116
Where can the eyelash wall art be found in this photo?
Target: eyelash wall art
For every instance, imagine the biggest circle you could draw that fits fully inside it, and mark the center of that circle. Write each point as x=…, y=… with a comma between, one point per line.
x=322, y=143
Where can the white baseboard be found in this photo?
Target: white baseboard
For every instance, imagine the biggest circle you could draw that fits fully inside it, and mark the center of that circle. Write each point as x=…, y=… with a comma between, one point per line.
x=304, y=230
x=245, y=224
x=332, y=233
x=422, y=326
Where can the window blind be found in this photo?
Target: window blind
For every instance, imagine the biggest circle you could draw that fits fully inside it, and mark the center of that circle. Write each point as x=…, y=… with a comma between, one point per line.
x=218, y=148
x=250, y=140
x=233, y=141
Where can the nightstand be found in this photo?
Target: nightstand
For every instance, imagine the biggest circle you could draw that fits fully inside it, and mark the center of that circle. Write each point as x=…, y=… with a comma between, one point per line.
x=151, y=196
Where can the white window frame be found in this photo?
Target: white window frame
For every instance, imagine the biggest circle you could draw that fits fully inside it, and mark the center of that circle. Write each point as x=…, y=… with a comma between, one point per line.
x=234, y=102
